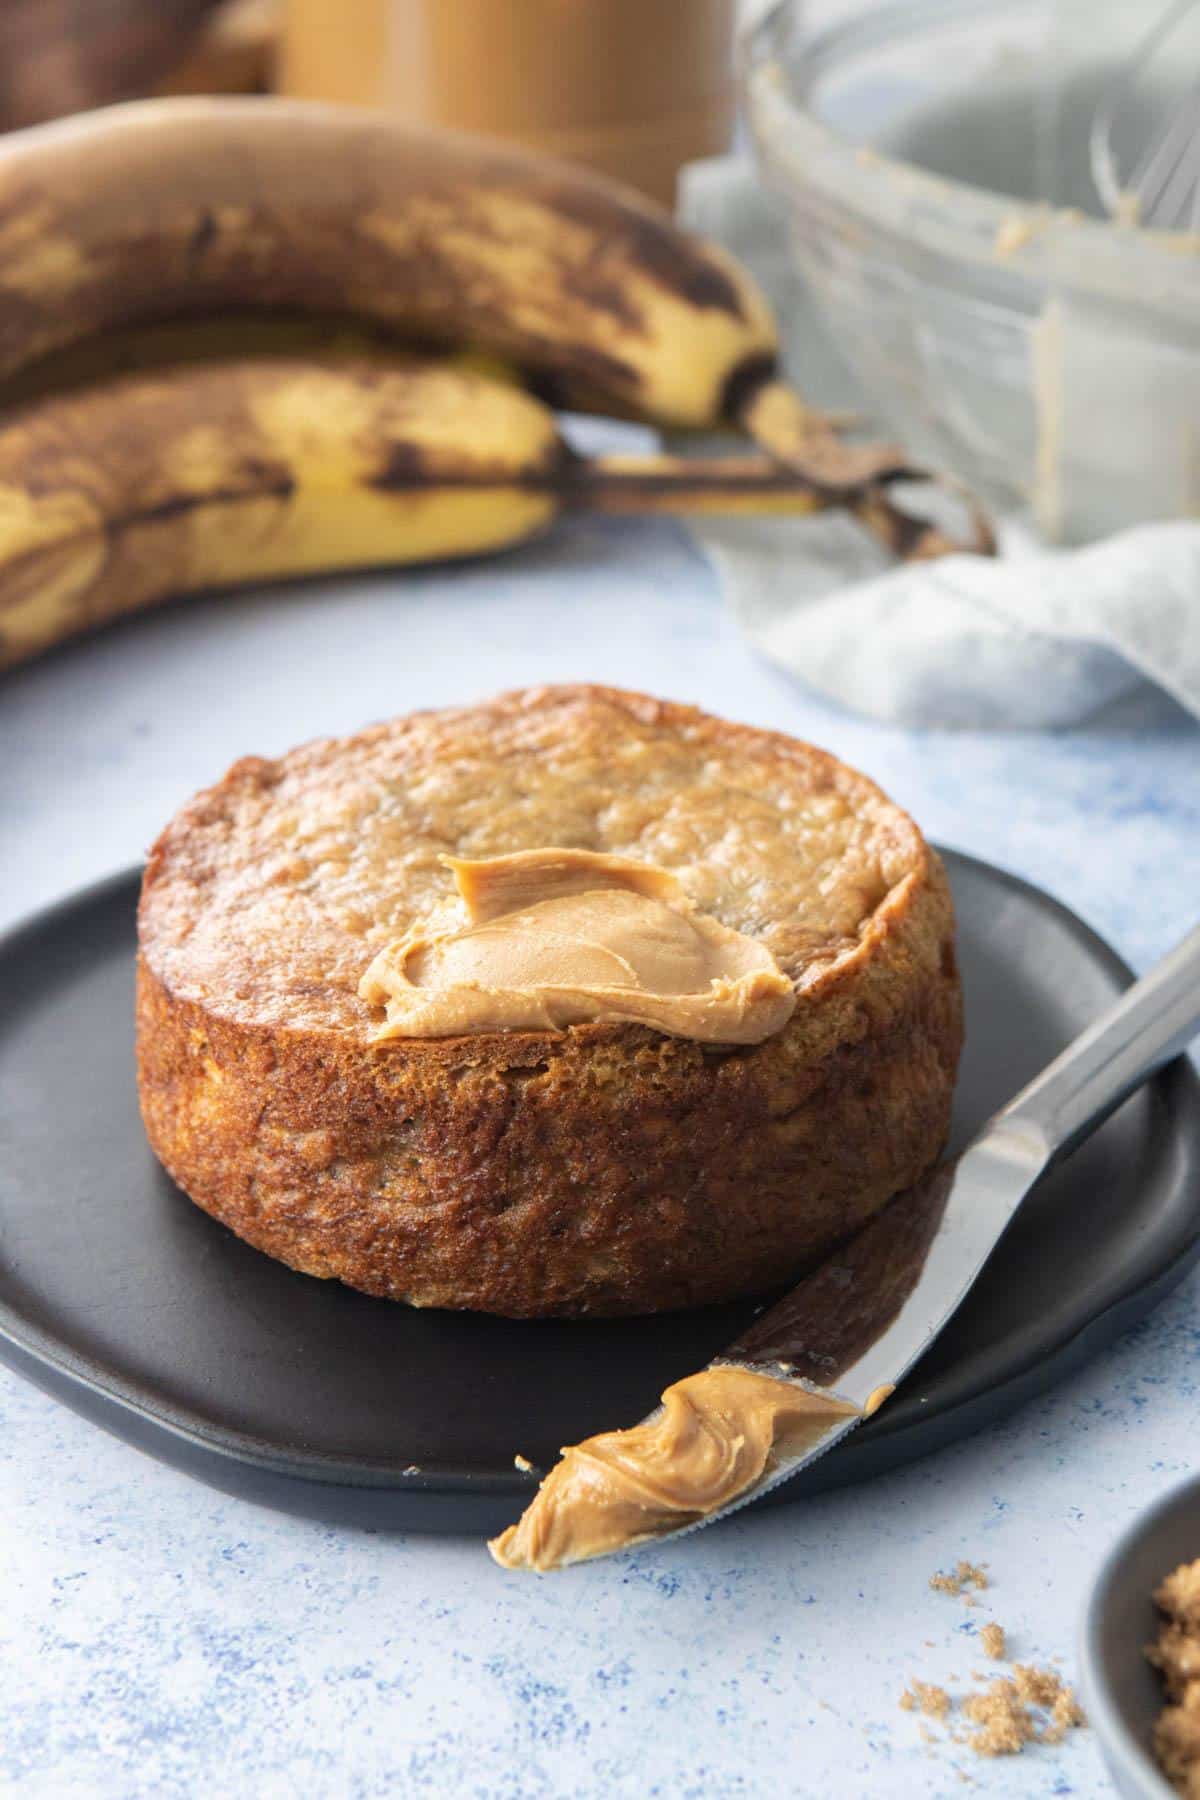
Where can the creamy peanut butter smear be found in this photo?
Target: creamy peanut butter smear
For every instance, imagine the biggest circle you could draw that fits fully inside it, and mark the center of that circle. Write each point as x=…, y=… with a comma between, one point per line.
x=542, y=939
x=715, y=1436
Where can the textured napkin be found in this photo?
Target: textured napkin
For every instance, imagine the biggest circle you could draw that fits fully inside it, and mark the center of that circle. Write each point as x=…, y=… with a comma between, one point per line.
x=1033, y=638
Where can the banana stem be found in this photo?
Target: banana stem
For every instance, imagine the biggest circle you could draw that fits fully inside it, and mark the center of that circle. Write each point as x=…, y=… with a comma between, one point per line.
x=681, y=484
x=856, y=476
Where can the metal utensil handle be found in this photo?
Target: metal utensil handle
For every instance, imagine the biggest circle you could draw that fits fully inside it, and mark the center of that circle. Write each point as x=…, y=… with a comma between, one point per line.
x=1154, y=1021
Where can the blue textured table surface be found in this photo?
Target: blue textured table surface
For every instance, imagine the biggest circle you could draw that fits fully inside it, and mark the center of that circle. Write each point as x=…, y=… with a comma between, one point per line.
x=159, y=1639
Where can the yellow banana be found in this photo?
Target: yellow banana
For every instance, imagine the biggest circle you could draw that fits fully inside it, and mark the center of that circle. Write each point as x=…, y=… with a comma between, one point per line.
x=178, y=206
x=159, y=483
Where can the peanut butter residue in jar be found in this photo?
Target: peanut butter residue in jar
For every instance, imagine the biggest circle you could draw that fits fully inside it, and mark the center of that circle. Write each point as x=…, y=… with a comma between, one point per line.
x=714, y=1438
x=543, y=939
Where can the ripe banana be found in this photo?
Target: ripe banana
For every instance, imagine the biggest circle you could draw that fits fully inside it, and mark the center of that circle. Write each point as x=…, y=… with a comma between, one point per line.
x=159, y=483
x=168, y=207
x=175, y=206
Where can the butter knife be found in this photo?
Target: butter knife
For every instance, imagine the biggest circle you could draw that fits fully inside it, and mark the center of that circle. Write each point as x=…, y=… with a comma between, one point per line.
x=855, y=1327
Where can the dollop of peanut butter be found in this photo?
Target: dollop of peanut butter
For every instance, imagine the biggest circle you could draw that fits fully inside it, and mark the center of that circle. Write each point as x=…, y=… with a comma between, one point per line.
x=543, y=939
x=715, y=1436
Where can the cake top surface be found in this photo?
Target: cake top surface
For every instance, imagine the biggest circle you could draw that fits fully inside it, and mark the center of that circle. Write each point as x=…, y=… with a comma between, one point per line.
x=269, y=894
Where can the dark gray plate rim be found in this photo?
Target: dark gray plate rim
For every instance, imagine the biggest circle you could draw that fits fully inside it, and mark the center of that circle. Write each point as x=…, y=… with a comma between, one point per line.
x=102, y=1394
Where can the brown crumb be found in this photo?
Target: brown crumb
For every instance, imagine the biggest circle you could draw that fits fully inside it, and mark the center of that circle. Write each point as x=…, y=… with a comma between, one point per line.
x=925, y=1697
x=1037, y=1687
x=992, y=1639
x=1176, y=1655
x=1003, y=1720
x=1045, y=1688
x=523, y=1463
x=1065, y=1715
x=966, y=1575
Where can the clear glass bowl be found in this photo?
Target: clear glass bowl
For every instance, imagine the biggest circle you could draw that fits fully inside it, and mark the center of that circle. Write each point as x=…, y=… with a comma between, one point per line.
x=933, y=159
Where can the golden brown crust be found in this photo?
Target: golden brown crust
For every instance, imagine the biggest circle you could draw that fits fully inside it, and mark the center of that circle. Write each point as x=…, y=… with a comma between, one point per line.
x=603, y=1169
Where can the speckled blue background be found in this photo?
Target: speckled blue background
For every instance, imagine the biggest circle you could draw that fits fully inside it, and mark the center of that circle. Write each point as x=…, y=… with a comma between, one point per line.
x=159, y=1639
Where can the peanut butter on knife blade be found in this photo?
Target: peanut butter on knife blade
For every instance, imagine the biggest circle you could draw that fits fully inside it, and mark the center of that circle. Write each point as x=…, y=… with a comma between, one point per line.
x=716, y=1435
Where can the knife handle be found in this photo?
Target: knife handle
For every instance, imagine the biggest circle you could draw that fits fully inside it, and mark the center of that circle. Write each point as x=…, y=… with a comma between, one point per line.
x=1152, y=1022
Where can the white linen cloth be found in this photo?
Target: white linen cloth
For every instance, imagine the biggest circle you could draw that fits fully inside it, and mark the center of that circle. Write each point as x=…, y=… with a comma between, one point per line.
x=1034, y=638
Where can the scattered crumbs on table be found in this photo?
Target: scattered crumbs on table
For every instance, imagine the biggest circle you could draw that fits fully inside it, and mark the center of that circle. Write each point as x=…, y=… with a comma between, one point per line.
x=523, y=1463
x=966, y=1575
x=1003, y=1723
x=926, y=1697
x=1037, y=1687
x=1006, y=1713
x=1065, y=1715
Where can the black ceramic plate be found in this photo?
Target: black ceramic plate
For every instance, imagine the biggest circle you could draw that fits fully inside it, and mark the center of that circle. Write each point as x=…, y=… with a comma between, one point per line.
x=135, y=1308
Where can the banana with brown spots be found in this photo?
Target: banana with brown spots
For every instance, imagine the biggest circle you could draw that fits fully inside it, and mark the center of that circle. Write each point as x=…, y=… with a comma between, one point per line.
x=217, y=473
x=197, y=206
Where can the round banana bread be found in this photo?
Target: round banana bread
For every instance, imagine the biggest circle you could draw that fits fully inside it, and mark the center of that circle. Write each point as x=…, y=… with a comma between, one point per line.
x=602, y=1168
